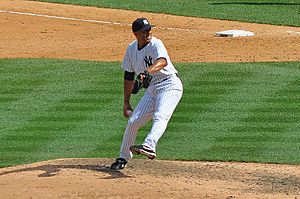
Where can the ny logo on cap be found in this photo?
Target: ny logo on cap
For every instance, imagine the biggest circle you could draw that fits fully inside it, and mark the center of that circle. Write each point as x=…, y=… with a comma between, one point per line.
x=145, y=22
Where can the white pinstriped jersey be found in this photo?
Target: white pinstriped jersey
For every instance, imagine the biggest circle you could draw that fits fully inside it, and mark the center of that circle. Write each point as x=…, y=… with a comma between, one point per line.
x=137, y=61
x=159, y=100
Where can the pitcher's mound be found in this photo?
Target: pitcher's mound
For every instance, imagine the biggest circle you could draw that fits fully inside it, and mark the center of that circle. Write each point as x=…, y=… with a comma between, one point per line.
x=92, y=178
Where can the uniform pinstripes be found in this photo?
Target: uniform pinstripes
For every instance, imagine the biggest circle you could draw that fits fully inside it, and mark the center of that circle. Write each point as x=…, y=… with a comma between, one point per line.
x=158, y=78
x=141, y=114
x=159, y=103
x=137, y=60
x=167, y=99
x=160, y=99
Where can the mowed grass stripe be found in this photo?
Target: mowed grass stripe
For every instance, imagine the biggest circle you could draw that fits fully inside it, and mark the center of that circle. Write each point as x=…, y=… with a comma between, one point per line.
x=229, y=112
x=254, y=105
x=44, y=117
x=102, y=115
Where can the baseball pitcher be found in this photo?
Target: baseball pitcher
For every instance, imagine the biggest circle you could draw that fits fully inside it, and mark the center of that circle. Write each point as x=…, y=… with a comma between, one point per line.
x=147, y=58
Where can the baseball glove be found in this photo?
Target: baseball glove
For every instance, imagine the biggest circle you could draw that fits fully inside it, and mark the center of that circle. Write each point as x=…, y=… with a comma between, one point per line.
x=142, y=81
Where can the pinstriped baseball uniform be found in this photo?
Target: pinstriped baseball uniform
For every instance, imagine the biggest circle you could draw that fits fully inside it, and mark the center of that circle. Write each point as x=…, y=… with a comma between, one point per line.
x=159, y=100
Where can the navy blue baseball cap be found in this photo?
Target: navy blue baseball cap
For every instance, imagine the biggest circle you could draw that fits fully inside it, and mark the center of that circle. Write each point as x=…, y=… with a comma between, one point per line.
x=141, y=24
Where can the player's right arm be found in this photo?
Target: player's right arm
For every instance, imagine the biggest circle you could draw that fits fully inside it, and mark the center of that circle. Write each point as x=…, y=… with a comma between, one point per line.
x=128, y=80
x=128, y=85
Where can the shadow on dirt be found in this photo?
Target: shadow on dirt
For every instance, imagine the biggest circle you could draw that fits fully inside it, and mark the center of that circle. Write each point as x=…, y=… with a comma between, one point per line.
x=53, y=170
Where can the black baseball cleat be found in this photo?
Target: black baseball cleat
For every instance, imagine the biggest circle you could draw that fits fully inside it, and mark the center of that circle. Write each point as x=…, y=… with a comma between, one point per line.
x=119, y=164
x=143, y=150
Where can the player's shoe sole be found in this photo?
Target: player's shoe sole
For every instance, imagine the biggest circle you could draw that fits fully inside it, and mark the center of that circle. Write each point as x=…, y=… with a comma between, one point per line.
x=143, y=150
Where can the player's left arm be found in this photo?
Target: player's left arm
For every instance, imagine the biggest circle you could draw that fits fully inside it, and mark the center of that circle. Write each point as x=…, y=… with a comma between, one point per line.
x=160, y=56
x=159, y=64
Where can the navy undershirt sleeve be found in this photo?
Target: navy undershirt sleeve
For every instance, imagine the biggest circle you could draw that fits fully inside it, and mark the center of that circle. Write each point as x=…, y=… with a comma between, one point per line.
x=129, y=75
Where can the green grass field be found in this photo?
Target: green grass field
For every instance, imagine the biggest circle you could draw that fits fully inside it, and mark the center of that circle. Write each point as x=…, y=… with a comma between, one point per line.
x=279, y=12
x=229, y=112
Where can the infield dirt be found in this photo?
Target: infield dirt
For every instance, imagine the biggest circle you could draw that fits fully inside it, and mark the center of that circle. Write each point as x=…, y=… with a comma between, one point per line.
x=187, y=39
x=65, y=31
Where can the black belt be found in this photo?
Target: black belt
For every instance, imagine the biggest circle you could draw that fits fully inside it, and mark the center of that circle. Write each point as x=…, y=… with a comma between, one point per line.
x=167, y=78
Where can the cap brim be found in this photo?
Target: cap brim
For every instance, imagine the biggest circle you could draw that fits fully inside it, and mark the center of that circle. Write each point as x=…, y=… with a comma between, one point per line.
x=145, y=28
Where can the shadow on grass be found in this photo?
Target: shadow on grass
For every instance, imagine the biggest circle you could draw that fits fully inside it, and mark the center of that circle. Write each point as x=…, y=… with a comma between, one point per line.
x=53, y=170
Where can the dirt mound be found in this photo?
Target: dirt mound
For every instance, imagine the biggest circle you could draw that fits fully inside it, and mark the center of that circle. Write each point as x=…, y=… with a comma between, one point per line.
x=92, y=178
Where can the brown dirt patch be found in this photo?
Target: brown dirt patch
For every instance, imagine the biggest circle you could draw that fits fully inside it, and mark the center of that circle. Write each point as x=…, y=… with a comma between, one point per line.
x=43, y=37
x=91, y=178
x=37, y=36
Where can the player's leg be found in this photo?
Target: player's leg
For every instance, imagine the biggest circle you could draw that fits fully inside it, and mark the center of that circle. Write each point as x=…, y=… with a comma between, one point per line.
x=140, y=116
x=166, y=103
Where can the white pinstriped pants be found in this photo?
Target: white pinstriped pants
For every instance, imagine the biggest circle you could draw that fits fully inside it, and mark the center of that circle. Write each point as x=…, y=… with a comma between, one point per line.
x=158, y=104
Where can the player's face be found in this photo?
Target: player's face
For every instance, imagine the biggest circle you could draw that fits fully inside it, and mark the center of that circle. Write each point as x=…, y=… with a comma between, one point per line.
x=143, y=37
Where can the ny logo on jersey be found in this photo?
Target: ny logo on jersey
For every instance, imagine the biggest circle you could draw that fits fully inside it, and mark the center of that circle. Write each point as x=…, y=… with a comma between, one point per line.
x=148, y=61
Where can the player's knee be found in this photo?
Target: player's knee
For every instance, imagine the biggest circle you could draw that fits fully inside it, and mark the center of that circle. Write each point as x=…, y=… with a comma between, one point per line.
x=162, y=115
x=163, y=118
x=133, y=123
